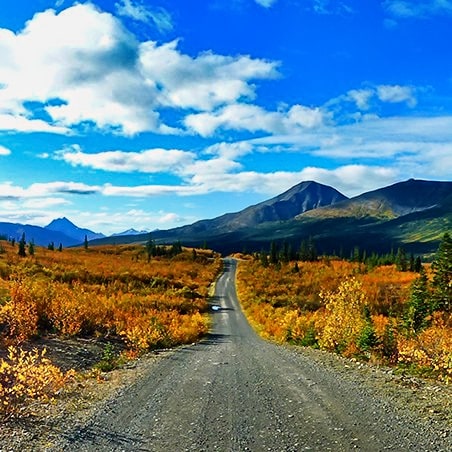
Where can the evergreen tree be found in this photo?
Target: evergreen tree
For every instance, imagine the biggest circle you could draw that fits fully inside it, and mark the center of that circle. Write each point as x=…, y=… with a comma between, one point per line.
x=60, y=248
x=401, y=260
x=442, y=275
x=418, y=265
x=51, y=246
x=312, y=250
x=304, y=254
x=86, y=242
x=22, y=252
x=150, y=247
x=263, y=258
x=31, y=248
x=285, y=253
x=419, y=306
x=356, y=255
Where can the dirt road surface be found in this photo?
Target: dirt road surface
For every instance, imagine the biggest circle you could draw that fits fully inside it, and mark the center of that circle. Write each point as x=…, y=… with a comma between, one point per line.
x=236, y=392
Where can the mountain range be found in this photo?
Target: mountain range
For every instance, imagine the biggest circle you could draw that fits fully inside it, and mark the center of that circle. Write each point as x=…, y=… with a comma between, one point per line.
x=413, y=214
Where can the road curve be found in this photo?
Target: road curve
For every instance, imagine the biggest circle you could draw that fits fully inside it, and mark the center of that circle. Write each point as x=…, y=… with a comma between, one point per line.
x=235, y=392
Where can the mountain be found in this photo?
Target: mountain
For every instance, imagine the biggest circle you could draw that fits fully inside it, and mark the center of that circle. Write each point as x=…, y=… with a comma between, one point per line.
x=39, y=236
x=58, y=231
x=413, y=214
x=69, y=229
x=389, y=202
x=298, y=199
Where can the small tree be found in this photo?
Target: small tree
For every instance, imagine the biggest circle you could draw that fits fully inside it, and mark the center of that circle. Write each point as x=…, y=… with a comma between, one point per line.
x=60, y=248
x=86, y=242
x=419, y=306
x=442, y=275
x=401, y=260
x=344, y=316
x=31, y=248
x=22, y=243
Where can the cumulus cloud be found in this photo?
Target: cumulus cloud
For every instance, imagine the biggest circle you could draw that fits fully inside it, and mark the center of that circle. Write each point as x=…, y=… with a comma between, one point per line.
x=158, y=16
x=203, y=82
x=252, y=118
x=83, y=67
x=147, y=161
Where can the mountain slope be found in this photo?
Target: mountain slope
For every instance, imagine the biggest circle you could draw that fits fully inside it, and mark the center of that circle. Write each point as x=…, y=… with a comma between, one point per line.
x=39, y=236
x=300, y=198
x=389, y=202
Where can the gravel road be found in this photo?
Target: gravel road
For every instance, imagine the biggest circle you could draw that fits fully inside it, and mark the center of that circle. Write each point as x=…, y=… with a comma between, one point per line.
x=236, y=392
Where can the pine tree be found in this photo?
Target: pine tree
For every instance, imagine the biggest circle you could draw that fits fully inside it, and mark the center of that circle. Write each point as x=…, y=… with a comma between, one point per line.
x=419, y=306
x=86, y=242
x=442, y=275
x=31, y=248
x=22, y=252
x=401, y=260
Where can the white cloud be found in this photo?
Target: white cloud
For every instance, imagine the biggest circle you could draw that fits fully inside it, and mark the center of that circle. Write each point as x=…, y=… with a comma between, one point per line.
x=203, y=82
x=82, y=66
x=4, y=151
x=396, y=94
x=41, y=190
x=160, y=17
x=404, y=9
x=18, y=123
x=361, y=97
x=375, y=96
x=253, y=118
x=147, y=161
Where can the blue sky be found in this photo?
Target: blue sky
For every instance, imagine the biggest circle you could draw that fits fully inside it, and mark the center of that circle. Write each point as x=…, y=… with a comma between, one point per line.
x=154, y=114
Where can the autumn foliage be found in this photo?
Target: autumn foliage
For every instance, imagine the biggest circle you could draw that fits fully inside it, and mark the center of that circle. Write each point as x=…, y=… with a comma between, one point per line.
x=348, y=308
x=111, y=291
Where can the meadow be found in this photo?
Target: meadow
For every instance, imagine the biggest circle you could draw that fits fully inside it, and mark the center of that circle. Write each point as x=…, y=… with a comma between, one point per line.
x=378, y=314
x=145, y=297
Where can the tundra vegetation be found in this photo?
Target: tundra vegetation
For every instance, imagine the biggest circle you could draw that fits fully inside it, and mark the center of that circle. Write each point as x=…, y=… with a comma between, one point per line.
x=147, y=297
x=385, y=314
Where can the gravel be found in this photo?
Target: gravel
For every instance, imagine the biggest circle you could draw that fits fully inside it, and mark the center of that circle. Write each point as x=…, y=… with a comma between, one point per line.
x=235, y=392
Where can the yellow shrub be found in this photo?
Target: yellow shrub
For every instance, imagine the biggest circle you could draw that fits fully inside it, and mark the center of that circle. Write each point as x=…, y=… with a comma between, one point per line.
x=28, y=375
x=344, y=316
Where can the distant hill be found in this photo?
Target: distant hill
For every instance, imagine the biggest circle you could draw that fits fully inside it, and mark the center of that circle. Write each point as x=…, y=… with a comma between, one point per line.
x=69, y=229
x=40, y=236
x=58, y=231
